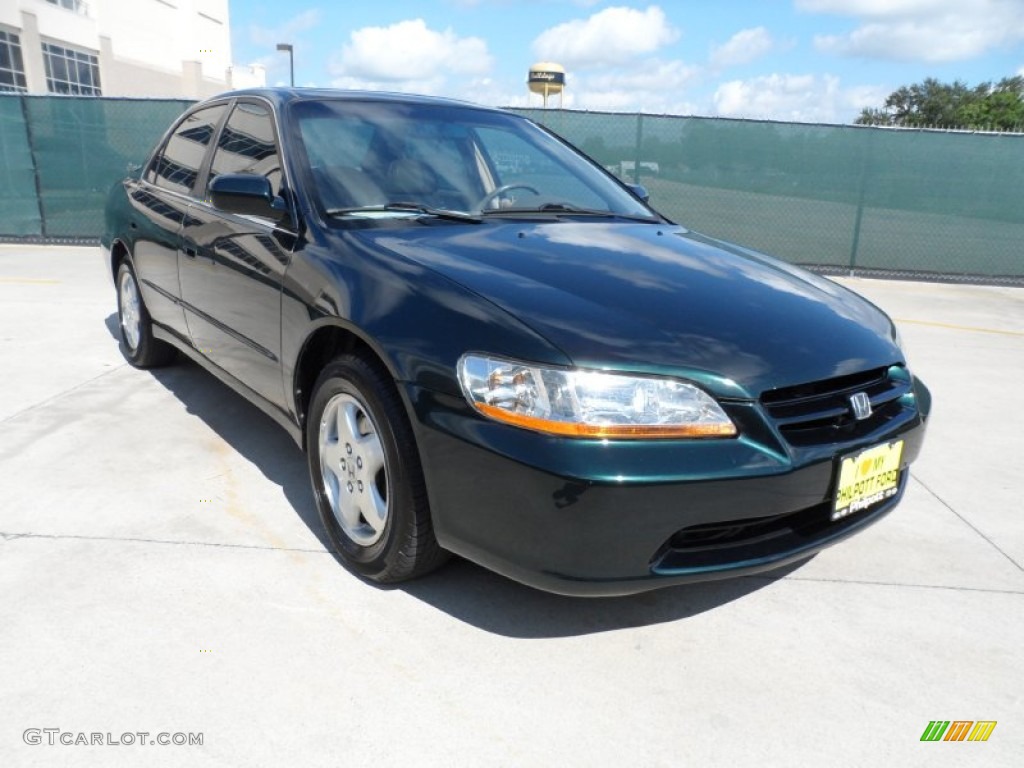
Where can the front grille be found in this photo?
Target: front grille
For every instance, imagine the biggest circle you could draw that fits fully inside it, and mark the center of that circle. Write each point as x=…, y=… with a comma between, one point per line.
x=820, y=412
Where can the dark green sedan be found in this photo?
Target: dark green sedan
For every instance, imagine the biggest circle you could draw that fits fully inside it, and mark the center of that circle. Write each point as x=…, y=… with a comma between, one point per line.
x=489, y=346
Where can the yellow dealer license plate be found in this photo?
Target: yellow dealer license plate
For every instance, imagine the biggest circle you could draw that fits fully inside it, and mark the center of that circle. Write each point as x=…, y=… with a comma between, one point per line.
x=867, y=478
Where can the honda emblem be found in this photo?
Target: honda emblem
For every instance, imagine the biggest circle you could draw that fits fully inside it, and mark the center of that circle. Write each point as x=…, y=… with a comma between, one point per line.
x=861, y=404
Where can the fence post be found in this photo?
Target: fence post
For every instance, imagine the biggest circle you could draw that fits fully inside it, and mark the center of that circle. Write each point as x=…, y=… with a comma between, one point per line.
x=862, y=186
x=35, y=165
x=639, y=143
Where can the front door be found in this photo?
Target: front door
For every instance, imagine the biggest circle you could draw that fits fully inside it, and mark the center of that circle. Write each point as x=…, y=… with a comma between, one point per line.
x=232, y=266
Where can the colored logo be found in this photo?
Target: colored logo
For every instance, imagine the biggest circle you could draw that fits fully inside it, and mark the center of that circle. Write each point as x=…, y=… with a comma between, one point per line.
x=958, y=730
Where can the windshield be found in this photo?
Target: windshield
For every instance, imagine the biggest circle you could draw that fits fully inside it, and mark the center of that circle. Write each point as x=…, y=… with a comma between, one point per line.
x=385, y=159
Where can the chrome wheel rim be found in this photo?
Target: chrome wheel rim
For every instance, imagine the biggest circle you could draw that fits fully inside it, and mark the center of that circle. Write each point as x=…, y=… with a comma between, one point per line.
x=131, y=321
x=353, y=469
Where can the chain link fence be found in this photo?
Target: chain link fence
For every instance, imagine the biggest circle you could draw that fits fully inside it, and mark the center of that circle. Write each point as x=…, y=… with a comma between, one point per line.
x=842, y=199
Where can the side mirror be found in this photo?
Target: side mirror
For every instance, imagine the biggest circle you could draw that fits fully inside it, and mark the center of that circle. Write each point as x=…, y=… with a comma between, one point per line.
x=247, y=193
x=640, y=191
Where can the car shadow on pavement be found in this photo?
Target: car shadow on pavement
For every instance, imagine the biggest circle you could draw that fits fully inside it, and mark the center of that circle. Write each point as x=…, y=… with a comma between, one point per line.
x=244, y=427
x=113, y=326
x=463, y=590
x=496, y=604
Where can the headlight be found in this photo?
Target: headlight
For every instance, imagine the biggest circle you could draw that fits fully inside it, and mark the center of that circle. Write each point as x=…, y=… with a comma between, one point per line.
x=580, y=403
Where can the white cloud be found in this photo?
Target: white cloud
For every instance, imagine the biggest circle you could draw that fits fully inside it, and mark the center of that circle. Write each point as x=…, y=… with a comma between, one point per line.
x=612, y=36
x=408, y=55
x=285, y=33
x=745, y=46
x=649, y=77
x=937, y=40
x=800, y=98
x=921, y=30
x=518, y=3
x=650, y=86
x=428, y=86
x=878, y=7
x=276, y=62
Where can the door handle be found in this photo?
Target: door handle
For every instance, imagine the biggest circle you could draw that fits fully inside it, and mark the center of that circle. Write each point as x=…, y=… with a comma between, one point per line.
x=189, y=251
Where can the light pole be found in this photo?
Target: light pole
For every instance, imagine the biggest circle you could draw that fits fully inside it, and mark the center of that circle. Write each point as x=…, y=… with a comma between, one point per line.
x=291, y=59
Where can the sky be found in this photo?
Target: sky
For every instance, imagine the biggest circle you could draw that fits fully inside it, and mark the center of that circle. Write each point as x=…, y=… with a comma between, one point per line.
x=800, y=60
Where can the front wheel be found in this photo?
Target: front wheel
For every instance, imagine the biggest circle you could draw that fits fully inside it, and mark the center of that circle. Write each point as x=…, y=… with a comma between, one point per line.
x=138, y=345
x=366, y=475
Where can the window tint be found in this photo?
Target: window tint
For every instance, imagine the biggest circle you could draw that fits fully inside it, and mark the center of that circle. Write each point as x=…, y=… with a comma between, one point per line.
x=246, y=145
x=518, y=161
x=177, y=167
x=365, y=154
x=336, y=140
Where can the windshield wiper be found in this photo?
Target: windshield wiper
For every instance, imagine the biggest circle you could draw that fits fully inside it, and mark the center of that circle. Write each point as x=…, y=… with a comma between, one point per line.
x=407, y=207
x=569, y=208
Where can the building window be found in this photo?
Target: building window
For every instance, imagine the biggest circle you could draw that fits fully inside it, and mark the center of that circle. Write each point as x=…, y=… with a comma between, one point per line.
x=70, y=71
x=78, y=6
x=12, y=69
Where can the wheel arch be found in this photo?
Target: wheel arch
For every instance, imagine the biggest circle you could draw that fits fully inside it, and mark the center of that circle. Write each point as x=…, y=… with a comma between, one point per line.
x=118, y=252
x=322, y=345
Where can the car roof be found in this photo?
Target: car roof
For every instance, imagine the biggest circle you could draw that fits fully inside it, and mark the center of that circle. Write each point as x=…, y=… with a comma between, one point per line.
x=283, y=95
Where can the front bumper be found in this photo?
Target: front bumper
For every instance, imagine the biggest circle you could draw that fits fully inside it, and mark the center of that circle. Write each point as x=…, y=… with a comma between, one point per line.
x=590, y=517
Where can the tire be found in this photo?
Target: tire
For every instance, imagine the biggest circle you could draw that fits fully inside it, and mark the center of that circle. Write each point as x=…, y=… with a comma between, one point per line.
x=366, y=475
x=138, y=345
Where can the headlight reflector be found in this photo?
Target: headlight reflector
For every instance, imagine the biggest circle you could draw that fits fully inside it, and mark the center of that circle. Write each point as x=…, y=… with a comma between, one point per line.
x=584, y=403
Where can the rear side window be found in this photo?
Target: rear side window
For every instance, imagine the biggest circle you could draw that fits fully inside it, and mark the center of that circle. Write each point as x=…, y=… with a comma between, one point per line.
x=177, y=167
x=246, y=145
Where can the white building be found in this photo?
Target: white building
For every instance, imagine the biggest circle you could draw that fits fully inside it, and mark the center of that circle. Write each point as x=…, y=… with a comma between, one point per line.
x=162, y=48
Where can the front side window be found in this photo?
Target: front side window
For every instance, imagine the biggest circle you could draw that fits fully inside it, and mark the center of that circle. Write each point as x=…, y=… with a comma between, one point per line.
x=177, y=167
x=71, y=71
x=246, y=145
x=12, y=68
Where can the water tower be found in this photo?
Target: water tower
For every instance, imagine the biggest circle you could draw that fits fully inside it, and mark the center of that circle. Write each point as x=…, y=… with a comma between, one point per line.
x=546, y=78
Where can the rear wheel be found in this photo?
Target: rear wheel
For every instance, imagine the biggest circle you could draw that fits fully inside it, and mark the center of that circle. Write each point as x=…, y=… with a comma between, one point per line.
x=138, y=344
x=366, y=474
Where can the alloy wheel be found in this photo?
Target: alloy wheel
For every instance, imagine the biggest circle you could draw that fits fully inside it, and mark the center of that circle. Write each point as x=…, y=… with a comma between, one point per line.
x=353, y=469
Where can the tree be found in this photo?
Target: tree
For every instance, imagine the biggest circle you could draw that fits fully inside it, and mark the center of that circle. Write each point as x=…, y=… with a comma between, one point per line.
x=998, y=107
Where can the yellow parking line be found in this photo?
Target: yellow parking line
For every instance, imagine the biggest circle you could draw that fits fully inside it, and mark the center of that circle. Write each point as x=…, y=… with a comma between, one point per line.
x=961, y=327
x=28, y=281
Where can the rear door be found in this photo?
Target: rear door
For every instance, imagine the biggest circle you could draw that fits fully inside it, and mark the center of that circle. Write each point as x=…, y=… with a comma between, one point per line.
x=160, y=200
x=232, y=266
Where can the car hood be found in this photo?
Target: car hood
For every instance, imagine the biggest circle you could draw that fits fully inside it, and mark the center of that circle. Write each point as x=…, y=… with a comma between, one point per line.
x=658, y=298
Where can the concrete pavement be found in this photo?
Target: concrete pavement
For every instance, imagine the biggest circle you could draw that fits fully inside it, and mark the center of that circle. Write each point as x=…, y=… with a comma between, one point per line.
x=161, y=570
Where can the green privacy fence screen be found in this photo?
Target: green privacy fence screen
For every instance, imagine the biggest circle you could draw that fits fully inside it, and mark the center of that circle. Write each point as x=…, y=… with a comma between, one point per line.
x=61, y=154
x=838, y=197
